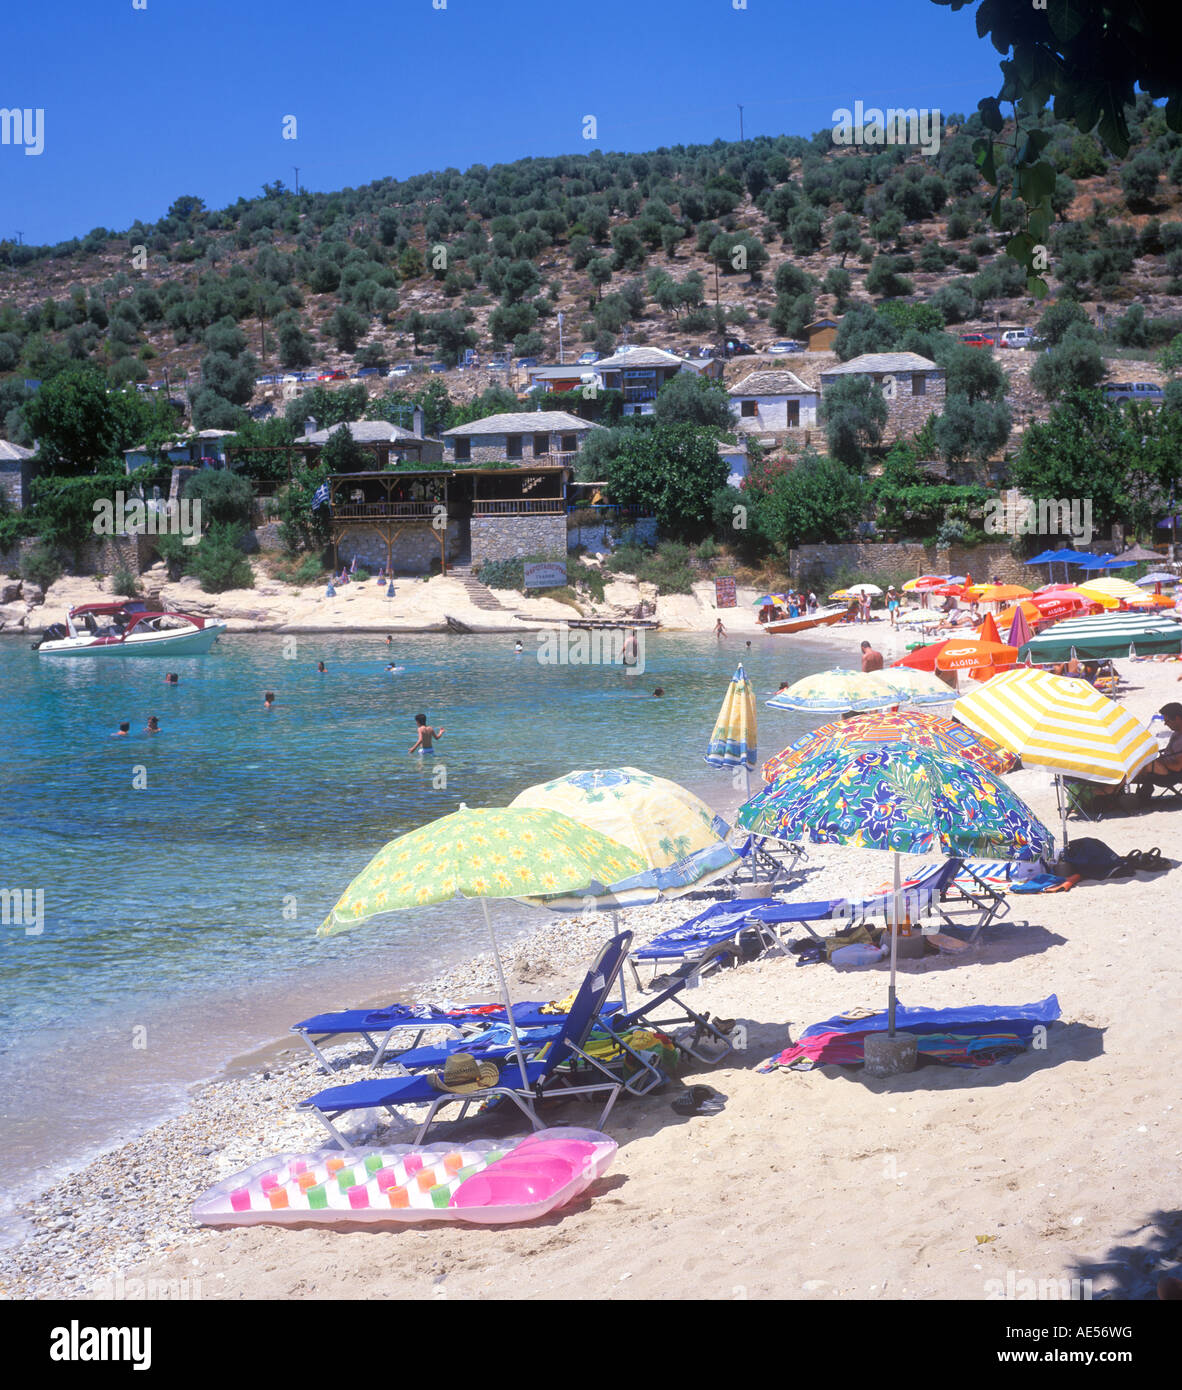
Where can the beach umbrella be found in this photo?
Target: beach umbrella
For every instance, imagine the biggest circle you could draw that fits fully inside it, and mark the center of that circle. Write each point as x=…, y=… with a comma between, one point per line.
x=898, y=797
x=733, y=740
x=768, y=598
x=1159, y=577
x=988, y=632
x=915, y=687
x=1060, y=723
x=924, y=581
x=836, y=690
x=1140, y=553
x=1020, y=630
x=502, y=852
x=872, y=589
x=1068, y=604
x=679, y=838
x=961, y=654
x=925, y=619
x=1119, y=589
x=938, y=734
x=1108, y=635
x=997, y=593
x=1027, y=608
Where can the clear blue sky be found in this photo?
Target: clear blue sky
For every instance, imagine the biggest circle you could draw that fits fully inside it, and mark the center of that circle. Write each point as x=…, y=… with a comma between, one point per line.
x=188, y=96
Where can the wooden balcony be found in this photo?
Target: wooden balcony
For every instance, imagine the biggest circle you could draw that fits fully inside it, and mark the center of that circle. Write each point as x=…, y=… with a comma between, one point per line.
x=518, y=506
x=380, y=511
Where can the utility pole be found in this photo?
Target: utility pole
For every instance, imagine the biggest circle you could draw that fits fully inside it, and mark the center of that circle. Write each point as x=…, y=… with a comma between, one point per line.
x=296, y=167
x=262, y=330
x=740, y=105
x=18, y=237
x=561, y=359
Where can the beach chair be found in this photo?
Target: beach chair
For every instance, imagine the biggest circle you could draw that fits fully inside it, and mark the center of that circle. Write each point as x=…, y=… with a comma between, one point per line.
x=554, y=1071
x=381, y=1027
x=764, y=860
x=953, y=884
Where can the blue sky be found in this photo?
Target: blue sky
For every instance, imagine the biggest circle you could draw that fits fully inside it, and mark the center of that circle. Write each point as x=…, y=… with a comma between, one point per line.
x=143, y=105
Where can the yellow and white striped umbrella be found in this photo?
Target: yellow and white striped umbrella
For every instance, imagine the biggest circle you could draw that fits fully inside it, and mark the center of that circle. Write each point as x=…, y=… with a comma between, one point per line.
x=1113, y=588
x=1063, y=724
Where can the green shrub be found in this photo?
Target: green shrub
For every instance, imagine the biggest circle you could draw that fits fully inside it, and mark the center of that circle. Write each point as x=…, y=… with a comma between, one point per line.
x=218, y=562
x=502, y=574
x=225, y=497
x=175, y=554
x=125, y=583
x=361, y=576
x=41, y=566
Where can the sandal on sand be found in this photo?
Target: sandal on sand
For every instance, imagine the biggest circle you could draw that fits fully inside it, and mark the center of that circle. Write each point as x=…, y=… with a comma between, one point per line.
x=699, y=1100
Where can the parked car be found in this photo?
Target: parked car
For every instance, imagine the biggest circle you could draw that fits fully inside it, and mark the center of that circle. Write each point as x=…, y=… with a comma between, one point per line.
x=399, y=369
x=586, y=359
x=499, y=362
x=1132, y=391
x=335, y=374
x=258, y=381
x=786, y=345
x=306, y=376
x=1017, y=338
x=437, y=367
x=289, y=377
x=527, y=361
x=980, y=340
x=367, y=371
x=736, y=347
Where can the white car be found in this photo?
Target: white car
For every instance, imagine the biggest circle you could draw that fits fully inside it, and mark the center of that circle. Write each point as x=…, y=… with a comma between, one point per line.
x=1018, y=338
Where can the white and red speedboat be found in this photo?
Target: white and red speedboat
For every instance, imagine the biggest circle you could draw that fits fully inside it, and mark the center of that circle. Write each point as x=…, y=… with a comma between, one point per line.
x=131, y=628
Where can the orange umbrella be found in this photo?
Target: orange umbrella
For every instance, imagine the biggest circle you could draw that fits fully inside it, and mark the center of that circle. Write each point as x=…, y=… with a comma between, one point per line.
x=1064, y=603
x=997, y=593
x=988, y=632
x=960, y=656
x=1029, y=610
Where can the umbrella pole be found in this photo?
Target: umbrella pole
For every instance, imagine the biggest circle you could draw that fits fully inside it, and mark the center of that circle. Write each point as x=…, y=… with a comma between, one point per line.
x=1061, y=797
x=492, y=936
x=895, y=905
x=615, y=921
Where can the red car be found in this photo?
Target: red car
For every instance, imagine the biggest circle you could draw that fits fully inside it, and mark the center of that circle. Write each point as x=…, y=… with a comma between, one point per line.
x=978, y=340
x=337, y=375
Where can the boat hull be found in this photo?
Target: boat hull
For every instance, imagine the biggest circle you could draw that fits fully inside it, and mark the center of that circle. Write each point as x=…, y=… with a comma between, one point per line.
x=186, y=642
x=786, y=625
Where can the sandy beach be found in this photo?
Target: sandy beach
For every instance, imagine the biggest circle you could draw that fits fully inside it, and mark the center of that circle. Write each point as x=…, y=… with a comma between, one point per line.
x=943, y=1183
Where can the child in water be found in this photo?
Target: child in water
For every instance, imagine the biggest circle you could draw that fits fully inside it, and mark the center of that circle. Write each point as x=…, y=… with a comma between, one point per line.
x=426, y=735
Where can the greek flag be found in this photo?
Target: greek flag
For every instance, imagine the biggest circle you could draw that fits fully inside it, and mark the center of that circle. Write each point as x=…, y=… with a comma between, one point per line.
x=320, y=496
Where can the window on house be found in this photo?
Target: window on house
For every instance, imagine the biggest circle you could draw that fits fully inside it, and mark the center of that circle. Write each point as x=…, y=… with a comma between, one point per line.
x=541, y=444
x=513, y=446
x=919, y=384
x=793, y=411
x=749, y=408
x=570, y=443
x=463, y=450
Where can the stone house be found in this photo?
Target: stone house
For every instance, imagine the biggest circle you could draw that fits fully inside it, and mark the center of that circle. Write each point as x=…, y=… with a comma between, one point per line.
x=773, y=402
x=528, y=436
x=386, y=442
x=638, y=373
x=17, y=471
x=913, y=386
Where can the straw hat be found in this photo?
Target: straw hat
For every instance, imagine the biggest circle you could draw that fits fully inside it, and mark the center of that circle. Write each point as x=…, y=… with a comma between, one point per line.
x=462, y=1072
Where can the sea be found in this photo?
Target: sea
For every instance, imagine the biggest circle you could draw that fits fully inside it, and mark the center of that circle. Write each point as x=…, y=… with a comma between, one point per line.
x=170, y=884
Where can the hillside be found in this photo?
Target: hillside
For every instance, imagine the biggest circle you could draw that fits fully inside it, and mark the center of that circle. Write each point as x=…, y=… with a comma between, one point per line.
x=636, y=248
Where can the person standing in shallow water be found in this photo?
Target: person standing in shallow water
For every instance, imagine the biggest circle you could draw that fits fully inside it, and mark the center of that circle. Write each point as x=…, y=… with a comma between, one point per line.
x=427, y=735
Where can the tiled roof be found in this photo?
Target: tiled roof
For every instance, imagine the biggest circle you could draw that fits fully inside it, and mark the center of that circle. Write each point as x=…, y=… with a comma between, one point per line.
x=363, y=432
x=523, y=422
x=770, y=384
x=10, y=451
x=882, y=362
x=642, y=357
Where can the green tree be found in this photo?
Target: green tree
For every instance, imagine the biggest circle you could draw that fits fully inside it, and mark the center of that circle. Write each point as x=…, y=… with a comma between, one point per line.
x=690, y=399
x=225, y=496
x=342, y=453
x=855, y=413
x=1058, y=319
x=844, y=237
x=346, y=327
x=818, y=500
x=672, y=471
x=327, y=408
x=82, y=428
x=1074, y=363
x=599, y=272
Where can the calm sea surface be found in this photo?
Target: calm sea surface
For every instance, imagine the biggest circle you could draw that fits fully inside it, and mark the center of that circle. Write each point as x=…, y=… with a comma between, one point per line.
x=184, y=874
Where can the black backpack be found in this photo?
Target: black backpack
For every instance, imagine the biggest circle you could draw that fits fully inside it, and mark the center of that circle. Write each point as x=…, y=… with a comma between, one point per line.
x=1091, y=858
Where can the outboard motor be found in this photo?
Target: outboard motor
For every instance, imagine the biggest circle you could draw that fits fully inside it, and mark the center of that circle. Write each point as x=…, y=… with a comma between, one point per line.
x=53, y=633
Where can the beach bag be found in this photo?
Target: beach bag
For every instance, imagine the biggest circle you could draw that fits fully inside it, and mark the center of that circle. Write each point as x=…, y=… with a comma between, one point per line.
x=1090, y=858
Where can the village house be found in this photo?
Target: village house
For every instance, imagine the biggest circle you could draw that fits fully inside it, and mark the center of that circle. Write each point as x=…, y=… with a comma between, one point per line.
x=913, y=386
x=539, y=436
x=772, y=402
x=557, y=380
x=819, y=335
x=386, y=442
x=202, y=448
x=638, y=373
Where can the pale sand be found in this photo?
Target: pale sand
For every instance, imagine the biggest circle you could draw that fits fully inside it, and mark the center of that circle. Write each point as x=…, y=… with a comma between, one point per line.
x=827, y=1184
x=815, y=1185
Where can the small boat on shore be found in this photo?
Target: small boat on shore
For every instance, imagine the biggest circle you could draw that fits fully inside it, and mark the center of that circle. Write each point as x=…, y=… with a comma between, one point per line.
x=133, y=628
x=823, y=617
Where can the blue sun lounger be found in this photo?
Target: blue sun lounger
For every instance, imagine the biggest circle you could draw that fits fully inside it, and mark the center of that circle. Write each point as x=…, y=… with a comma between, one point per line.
x=550, y=1073
x=380, y=1027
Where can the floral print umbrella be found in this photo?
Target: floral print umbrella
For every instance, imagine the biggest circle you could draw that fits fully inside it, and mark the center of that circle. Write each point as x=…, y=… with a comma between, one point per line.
x=945, y=737
x=836, y=690
x=896, y=796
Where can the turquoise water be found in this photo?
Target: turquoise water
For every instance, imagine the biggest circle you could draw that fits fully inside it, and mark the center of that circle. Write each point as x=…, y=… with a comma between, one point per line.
x=184, y=873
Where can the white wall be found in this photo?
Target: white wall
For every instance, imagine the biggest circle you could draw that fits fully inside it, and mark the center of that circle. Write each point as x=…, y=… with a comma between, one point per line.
x=772, y=413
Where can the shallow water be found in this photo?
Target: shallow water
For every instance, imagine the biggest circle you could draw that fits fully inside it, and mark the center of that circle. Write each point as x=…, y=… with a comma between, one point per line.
x=183, y=874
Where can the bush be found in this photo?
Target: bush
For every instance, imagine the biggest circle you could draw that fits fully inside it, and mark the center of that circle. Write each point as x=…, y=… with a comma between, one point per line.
x=668, y=568
x=224, y=496
x=218, y=562
x=124, y=583
x=41, y=566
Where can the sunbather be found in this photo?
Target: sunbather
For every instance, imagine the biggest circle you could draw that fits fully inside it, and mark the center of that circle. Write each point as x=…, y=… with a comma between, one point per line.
x=1166, y=769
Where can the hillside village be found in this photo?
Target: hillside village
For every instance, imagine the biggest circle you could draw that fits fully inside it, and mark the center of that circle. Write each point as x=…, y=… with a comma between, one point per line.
x=521, y=345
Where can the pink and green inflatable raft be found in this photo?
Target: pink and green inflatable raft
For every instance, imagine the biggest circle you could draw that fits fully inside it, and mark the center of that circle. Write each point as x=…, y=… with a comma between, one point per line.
x=486, y=1182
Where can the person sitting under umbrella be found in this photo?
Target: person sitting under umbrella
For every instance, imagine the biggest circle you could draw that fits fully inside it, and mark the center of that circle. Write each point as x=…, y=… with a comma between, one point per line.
x=1164, y=770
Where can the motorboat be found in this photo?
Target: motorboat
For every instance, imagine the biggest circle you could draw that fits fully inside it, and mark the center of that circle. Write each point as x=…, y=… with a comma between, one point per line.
x=823, y=617
x=130, y=628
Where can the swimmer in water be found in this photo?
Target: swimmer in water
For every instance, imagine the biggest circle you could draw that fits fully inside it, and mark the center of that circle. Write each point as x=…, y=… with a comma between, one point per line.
x=321, y=667
x=426, y=735
x=658, y=692
x=518, y=649
x=172, y=679
x=123, y=730
x=153, y=725
x=268, y=699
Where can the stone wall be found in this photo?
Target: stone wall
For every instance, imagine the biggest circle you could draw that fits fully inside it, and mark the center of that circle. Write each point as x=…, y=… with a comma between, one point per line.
x=15, y=477
x=878, y=561
x=511, y=537
x=907, y=413
x=415, y=551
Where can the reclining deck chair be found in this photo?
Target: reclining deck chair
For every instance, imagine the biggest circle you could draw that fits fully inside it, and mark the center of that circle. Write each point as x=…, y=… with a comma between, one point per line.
x=763, y=859
x=548, y=1073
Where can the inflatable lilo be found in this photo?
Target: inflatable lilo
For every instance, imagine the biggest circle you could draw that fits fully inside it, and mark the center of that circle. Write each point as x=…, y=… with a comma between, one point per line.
x=486, y=1182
